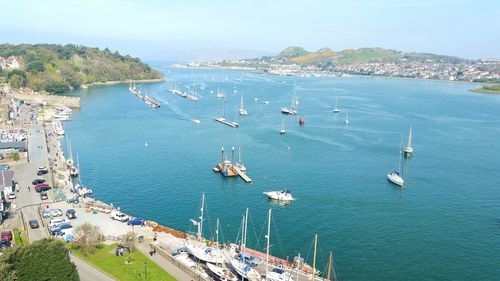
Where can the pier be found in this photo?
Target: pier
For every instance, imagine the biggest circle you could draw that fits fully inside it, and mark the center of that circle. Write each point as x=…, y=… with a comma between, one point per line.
x=145, y=98
x=183, y=94
x=223, y=121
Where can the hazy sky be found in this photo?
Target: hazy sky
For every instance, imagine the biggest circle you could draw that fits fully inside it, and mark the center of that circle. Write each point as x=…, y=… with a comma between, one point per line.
x=149, y=28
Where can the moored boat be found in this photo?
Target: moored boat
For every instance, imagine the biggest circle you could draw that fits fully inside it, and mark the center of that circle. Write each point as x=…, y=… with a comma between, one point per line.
x=221, y=273
x=281, y=195
x=408, y=151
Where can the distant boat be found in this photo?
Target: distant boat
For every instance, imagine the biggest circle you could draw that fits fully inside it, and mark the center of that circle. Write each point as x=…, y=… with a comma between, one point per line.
x=282, y=195
x=219, y=95
x=197, y=121
x=408, y=152
x=239, y=163
x=282, y=130
x=292, y=110
x=396, y=177
x=146, y=144
x=336, y=108
x=346, y=121
x=242, y=110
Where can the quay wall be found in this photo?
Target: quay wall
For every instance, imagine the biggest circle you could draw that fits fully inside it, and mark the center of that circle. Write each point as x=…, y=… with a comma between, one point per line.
x=54, y=100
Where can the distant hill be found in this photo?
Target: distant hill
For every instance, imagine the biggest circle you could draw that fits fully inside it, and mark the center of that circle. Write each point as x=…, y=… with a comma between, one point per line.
x=363, y=55
x=56, y=68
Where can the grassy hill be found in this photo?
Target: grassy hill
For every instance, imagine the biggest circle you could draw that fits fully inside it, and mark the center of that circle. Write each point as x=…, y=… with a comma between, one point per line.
x=326, y=56
x=57, y=68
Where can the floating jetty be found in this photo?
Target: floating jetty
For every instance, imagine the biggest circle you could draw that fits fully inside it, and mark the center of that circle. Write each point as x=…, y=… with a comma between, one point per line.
x=149, y=101
x=183, y=94
x=227, y=168
x=223, y=121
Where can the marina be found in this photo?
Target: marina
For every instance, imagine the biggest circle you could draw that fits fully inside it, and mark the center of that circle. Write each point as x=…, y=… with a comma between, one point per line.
x=184, y=94
x=145, y=98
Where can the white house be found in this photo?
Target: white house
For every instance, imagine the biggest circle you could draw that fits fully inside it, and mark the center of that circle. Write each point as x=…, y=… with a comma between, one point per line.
x=12, y=63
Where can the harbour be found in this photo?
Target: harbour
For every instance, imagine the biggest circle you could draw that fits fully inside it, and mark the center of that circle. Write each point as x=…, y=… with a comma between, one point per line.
x=368, y=148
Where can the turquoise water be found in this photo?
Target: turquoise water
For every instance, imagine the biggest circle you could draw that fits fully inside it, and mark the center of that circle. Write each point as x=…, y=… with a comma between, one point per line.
x=444, y=226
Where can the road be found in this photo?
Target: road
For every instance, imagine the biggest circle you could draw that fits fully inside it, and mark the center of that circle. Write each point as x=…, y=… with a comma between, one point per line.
x=28, y=202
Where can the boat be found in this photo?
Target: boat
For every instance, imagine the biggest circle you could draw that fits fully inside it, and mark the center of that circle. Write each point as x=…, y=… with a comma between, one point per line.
x=58, y=128
x=219, y=95
x=73, y=171
x=276, y=274
x=336, y=108
x=243, y=111
x=242, y=266
x=200, y=251
x=221, y=273
x=292, y=110
x=282, y=195
x=79, y=188
x=239, y=163
x=223, y=120
x=197, y=121
x=396, y=177
x=408, y=151
x=186, y=260
x=346, y=121
x=282, y=130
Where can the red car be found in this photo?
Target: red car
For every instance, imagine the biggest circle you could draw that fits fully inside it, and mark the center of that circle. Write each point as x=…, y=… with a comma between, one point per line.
x=42, y=187
x=6, y=235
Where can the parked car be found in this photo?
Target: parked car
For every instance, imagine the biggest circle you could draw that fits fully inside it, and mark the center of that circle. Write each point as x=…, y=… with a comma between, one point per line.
x=56, y=212
x=42, y=171
x=4, y=244
x=44, y=195
x=71, y=214
x=38, y=181
x=119, y=216
x=136, y=221
x=55, y=222
x=11, y=195
x=6, y=235
x=60, y=228
x=34, y=224
x=42, y=187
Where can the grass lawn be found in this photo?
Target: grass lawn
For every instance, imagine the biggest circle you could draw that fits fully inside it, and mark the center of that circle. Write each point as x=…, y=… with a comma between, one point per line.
x=20, y=240
x=106, y=260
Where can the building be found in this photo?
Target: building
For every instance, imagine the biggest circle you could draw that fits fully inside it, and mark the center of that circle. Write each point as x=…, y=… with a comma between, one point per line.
x=12, y=63
x=2, y=62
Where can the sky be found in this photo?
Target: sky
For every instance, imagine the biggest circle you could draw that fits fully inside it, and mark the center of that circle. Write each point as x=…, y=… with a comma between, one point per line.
x=169, y=28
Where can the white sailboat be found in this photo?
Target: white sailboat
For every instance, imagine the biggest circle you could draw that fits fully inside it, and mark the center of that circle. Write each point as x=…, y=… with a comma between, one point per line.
x=275, y=275
x=396, y=177
x=219, y=95
x=239, y=163
x=346, y=121
x=292, y=110
x=282, y=130
x=221, y=273
x=200, y=251
x=243, y=267
x=243, y=111
x=336, y=108
x=408, y=152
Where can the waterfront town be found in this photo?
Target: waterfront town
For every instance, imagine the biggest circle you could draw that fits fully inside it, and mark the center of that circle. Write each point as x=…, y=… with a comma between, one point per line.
x=475, y=71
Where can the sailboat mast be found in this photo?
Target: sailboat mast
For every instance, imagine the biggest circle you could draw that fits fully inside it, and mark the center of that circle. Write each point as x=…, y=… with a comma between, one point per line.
x=329, y=267
x=241, y=102
x=410, y=137
x=401, y=157
x=245, y=232
x=268, y=237
x=333, y=267
x=200, y=226
x=217, y=233
x=314, y=257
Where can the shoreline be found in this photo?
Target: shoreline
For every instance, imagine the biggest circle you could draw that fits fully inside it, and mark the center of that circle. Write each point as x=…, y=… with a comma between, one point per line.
x=109, y=83
x=484, y=91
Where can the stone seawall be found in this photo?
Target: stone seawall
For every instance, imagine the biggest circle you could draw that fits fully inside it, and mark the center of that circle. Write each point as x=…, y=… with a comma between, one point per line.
x=54, y=100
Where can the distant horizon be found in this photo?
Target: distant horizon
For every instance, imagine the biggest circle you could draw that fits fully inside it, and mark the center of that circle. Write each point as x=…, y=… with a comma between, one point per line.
x=157, y=29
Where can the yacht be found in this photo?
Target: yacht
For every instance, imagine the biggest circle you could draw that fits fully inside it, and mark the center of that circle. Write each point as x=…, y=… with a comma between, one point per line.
x=239, y=163
x=282, y=130
x=336, y=108
x=282, y=195
x=396, y=177
x=221, y=273
x=346, y=121
x=408, y=152
x=243, y=111
x=219, y=95
x=292, y=110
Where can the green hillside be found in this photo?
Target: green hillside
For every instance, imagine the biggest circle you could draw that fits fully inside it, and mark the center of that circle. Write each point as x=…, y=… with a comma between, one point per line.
x=326, y=56
x=57, y=68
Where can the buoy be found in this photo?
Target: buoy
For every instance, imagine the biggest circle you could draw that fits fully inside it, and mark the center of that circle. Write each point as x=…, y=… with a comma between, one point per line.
x=301, y=121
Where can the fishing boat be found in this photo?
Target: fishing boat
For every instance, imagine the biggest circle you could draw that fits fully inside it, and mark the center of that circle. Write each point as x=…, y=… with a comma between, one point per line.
x=242, y=266
x=346, y=121
x=239, y=163
x=199, y=250
x=242, y=110
x=408, y=151
x=336, y=108
x=282, y=130
x=282, y=195
x=396, y=177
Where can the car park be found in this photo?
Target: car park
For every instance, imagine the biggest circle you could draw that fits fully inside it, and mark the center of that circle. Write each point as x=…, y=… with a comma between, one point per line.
x=11, y=195
x=55, y=222
x=44, y=195
x=119, y=216
x=34, y=224
x=38, y=181
x=6, y=235
x=136, y=221
x=71, y=214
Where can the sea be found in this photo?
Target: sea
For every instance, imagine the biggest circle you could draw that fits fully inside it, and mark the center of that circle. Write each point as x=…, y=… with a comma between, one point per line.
x=445, y=225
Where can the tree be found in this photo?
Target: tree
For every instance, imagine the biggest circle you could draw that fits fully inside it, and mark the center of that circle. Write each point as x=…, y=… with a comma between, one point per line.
x=57, y=87
x=46, y=259
x=87, y=238
x=35, y=66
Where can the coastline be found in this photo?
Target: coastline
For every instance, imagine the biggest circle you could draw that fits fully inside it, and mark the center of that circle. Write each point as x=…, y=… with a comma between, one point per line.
x=108, y=83
x=484, y=91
